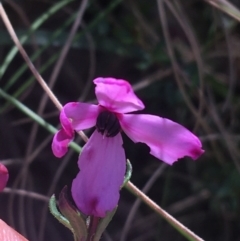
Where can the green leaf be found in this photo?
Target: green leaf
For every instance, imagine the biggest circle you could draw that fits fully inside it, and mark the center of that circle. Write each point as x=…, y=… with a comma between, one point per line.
x=78, y=223
x=128, y=173
x=54, y=211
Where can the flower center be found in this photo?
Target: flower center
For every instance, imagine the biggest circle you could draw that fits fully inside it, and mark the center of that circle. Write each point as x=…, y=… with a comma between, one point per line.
x=108, y=124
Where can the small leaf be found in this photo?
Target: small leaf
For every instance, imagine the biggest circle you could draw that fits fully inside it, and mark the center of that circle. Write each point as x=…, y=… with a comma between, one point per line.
x=128, y=173
x=74, y=217
x=54, y=211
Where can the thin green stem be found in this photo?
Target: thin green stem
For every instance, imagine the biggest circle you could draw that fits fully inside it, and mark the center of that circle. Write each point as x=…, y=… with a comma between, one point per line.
x=33, y=28
x=30, y=64
x=56, y=34
x=28, y=112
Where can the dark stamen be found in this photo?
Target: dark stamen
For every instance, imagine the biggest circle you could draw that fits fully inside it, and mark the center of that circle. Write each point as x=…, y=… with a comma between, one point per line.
x=108, y=124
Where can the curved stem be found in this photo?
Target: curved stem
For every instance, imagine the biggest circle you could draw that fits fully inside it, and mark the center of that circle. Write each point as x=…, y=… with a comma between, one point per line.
x=92, y=228
x=30, y=64
x=170, y=219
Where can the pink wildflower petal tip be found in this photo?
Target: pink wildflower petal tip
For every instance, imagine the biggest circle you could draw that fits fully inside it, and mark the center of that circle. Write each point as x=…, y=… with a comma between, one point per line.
x=167, y=140
x=3, y=176
x=60, y=143
x=117, y=95
x=102, y=166
x=9, y=234
x=82, y=115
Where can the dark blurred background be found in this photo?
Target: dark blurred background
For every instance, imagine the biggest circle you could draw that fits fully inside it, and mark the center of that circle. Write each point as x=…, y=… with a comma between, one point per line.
x=182, y=58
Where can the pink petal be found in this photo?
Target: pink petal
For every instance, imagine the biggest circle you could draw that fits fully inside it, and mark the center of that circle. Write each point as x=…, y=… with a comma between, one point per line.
x=60, y=143
x=9, y=234
x=3, y=176
x=82, y=115
x=167, y=140
x=66, y=123
x=117, y=95
x=102, y=166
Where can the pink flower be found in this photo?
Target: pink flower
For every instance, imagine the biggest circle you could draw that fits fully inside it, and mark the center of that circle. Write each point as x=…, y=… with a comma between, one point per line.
x=9, y=234
x=3, y=176
x=102, y=161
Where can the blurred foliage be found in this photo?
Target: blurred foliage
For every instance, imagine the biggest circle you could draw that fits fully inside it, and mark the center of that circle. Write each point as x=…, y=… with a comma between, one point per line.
x=125, y=39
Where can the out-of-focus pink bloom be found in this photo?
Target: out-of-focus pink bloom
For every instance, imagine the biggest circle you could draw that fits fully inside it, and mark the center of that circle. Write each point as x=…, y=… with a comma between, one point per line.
x=9, y=234
x=102, y=161
x=3, y=176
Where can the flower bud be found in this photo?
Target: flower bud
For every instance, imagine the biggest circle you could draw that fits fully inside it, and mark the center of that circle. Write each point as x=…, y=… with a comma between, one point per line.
x=3, y=176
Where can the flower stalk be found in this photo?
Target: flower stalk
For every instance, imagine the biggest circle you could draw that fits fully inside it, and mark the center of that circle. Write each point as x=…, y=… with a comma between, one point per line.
x=94, y=221
x=170, y=219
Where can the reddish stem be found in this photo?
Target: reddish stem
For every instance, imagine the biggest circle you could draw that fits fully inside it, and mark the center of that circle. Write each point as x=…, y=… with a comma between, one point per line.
x=92, y=227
